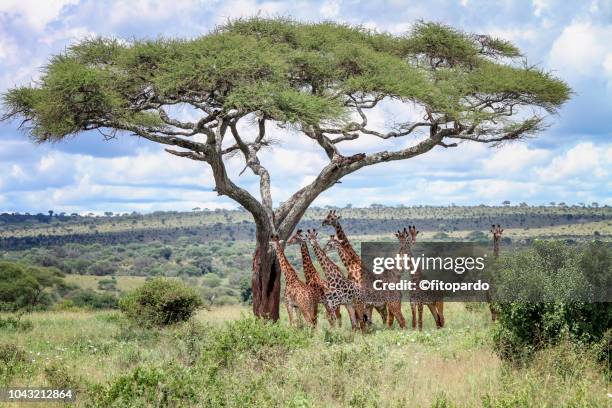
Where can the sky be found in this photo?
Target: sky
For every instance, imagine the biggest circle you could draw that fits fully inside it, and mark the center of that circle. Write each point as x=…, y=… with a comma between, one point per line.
x=570, y=162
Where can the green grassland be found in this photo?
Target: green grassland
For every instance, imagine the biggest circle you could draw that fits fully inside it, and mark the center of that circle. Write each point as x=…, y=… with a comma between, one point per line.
x=100, y=355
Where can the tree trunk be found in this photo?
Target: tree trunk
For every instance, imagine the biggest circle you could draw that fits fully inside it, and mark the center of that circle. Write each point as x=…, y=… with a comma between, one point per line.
x=266, y=281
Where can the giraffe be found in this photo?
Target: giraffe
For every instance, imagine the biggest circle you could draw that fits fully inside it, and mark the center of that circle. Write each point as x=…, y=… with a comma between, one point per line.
x=341, y=291
x=312, y=277
x=352, y=263
x=407, y=239
x=497, y=233
x=372, y=298
x=298, y=295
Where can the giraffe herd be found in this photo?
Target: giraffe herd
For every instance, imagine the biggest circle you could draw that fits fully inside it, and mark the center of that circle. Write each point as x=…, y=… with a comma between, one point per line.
x=303, y=298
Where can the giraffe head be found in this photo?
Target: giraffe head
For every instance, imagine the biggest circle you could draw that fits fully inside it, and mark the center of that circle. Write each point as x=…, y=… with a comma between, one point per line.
x=497, y=231
x=404, y=238
x=312, y=235
x=331, y=219
x=333, y=243
x=413, y=234
x=275, y=239
x=297, y=238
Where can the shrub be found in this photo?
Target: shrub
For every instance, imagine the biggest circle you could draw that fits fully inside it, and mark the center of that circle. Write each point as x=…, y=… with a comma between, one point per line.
x=160, y=302
x=166, y=386
x=26, y=286
x=59, y=376
x=15, y=323
x=252, y=336
x=108, y=284
x=550, y=284
x=101, y=268
x=11, y=358
x=90, y=299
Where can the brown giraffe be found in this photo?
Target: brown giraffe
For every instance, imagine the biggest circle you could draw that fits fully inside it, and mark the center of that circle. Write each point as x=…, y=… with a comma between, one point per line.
x=407, y=239
x=352, y=262
x=312, y=277
x=298, y=295
x=497, y=233
x=372, y=297
x=341, y=291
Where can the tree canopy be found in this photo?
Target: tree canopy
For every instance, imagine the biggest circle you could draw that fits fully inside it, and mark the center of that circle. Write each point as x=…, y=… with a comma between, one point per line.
x=305, y=74
x=26, y=286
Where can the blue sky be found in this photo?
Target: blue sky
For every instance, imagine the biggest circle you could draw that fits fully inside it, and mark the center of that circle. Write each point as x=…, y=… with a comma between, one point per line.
x=570, y=162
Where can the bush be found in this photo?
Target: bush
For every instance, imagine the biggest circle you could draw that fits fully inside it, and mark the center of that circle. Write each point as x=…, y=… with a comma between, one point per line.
x=167, y=386
x=254, y=337
x=26, y=286
x=12, y=357
x=101, y=268
x=550, y=283
x=160, y=302
x=90, y=299
x=108, y=284
x=15, y=323
x=60, y=377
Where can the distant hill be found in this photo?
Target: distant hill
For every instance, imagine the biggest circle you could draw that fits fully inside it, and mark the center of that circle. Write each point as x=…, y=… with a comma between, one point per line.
x=18, y=231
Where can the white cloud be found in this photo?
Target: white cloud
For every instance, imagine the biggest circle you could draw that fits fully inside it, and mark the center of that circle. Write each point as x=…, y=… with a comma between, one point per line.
x=513, y=157
x=540, y=6
x=36, y=14
x=581, y=50
x=585, y=160
x=330, y=8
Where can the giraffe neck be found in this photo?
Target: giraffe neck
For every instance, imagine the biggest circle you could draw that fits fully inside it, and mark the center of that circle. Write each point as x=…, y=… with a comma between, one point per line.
x=331, y=270
x=406, y=249
x=496, y=247
x=353, y=268
x=344, y=240
x=310, y=272
x=288, y=271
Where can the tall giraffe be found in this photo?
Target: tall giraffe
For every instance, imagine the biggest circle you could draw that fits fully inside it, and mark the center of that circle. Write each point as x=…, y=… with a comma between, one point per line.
x=298, y=295
x=352, y=263
x=313, y=279
x=407, y=239
x=497, y=233
x=341, y=291
x=372, y=297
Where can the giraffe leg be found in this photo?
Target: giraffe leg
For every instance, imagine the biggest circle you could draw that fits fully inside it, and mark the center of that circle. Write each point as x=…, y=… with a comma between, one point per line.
x=300, y=316
x=369, y=309
x=395, y=309
x=434, y=312
x=382, y=311
x=360, y=316
x=390, y=317
x=413, y=310
x=440, y=308
x=315, y=313
x=351, y=311
x=338, y=316
x=420, y=315
x=330, y=314
x=289, y=311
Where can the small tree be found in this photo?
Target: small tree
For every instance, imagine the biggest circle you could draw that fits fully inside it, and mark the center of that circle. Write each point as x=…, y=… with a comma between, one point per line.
x=27, y=287
x=320, y=79
x=160, y=302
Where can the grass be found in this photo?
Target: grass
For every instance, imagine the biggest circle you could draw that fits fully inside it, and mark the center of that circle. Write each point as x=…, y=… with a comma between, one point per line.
x=224, y=358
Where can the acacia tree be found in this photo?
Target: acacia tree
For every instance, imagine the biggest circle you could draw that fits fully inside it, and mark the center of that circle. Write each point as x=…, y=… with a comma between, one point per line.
x=322, y=80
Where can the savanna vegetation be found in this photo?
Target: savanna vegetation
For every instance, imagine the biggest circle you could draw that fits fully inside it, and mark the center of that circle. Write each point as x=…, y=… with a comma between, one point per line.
x=190, y=341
